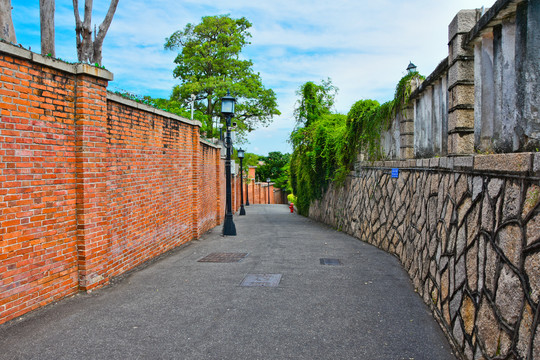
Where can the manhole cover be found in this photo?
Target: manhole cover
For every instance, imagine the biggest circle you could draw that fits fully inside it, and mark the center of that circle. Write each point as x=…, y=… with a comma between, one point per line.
x=223, y=257
x=261, y=280
x=334, y=262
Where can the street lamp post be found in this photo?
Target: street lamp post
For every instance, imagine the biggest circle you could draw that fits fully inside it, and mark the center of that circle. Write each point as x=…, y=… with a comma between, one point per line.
x=220, y=127
x=247, y=189
x=268, y=181
x=240, y=153
x=227, y=109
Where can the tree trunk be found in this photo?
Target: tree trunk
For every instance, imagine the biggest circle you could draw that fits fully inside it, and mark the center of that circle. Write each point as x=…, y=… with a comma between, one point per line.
x=46, y=16
x=103, y=28
x=89, y=50
x=7, y=31
x=209, y=113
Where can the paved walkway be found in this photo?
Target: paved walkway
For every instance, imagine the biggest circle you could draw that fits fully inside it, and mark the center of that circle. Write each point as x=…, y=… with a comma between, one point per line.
x=179, y=308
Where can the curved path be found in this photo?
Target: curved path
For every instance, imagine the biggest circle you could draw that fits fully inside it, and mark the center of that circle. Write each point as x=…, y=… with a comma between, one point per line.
x=180, y=308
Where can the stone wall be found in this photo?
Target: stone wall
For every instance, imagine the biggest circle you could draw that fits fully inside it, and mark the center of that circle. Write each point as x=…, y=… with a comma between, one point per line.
x=467, y=230
x=484, y=96
x=506, y=45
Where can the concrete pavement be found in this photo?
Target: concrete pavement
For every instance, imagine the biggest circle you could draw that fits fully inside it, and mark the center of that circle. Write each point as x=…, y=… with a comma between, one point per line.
x=180, y=308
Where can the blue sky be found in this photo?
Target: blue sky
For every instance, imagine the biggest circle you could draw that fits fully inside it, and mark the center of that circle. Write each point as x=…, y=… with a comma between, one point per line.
x=363, y=46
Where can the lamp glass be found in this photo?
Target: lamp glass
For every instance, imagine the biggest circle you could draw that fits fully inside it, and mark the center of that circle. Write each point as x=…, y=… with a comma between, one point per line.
x=267, y=179
x=411, y=68
x=227, y=105
x=240, y=153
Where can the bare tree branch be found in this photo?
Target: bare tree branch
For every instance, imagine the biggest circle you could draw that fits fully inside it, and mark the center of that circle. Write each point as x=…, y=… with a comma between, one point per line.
x=46, y=17
x=88, y=49
x=7, y=31
x=78, y=28
x=104, y=27
x=87, y=22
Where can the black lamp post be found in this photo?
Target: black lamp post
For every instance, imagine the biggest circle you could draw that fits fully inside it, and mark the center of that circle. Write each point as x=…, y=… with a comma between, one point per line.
x=240, y=154
x=220, y=127
x=247, y=189
x=227, y=109
x=268, y=181
x=411, y=68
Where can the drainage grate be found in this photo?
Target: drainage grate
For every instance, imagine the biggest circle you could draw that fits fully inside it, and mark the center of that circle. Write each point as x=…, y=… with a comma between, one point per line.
x=223, y=257
x=271, y=280
x=334, y=262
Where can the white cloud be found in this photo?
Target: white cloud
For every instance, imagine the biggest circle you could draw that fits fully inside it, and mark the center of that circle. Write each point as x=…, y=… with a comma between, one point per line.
x=364, y=46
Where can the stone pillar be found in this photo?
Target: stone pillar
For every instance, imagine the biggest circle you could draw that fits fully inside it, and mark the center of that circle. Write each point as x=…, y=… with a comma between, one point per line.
x=528, y=71
x=406, y=131
x=93, y=223
x=461, y=85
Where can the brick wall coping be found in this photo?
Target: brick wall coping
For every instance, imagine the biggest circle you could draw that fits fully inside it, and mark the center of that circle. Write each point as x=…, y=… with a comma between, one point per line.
x=79, y=68
x=492, y=17
x=521, y=164
x=131, y=103
x=209, y=143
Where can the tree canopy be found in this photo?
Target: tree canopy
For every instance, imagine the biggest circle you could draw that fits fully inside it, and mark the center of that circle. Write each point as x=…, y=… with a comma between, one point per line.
x=273, y=167
x=315, y=101
x=209, y=64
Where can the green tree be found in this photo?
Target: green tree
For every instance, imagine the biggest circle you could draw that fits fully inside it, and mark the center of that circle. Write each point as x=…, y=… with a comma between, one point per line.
x=209, y=64
x=251, y=159
x=173, y=106
x=282, y=181
x=315, y=101
x=316, y=142
x=272, y=167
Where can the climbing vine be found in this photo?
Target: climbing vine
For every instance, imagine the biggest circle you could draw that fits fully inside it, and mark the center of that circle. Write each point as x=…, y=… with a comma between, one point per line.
x=326, y=147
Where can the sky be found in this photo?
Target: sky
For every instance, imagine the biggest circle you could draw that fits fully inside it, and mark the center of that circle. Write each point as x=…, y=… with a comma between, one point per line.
x=363, y=46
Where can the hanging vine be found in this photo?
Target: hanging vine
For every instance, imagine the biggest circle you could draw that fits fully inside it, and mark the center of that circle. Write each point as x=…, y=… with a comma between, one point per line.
x=326, y=149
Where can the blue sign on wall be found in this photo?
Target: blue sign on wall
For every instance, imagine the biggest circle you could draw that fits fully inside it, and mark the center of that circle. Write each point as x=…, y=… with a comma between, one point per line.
x=395, y=173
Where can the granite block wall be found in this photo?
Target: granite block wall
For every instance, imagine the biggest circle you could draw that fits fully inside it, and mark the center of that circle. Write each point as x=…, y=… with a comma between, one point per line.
x=467, y=230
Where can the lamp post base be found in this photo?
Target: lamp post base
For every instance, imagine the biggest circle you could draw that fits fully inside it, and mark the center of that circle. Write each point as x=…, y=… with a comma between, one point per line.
x=229, y=229
x=242, y=210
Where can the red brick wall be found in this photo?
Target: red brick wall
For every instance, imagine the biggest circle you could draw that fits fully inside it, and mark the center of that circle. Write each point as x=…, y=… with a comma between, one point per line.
x=210, y=184
x=236, y=192
x=222, y=190
x=92, y=160
x=150, y=185
x=38, y=225
x=91, y=185
x=256, y=193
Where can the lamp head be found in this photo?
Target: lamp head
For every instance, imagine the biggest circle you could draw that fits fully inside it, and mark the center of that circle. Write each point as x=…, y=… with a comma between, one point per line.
x=411, y=68
x=227, y=104
x=240, y=153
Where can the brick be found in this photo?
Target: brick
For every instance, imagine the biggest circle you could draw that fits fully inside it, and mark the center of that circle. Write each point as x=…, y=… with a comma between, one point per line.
x=64, y=208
